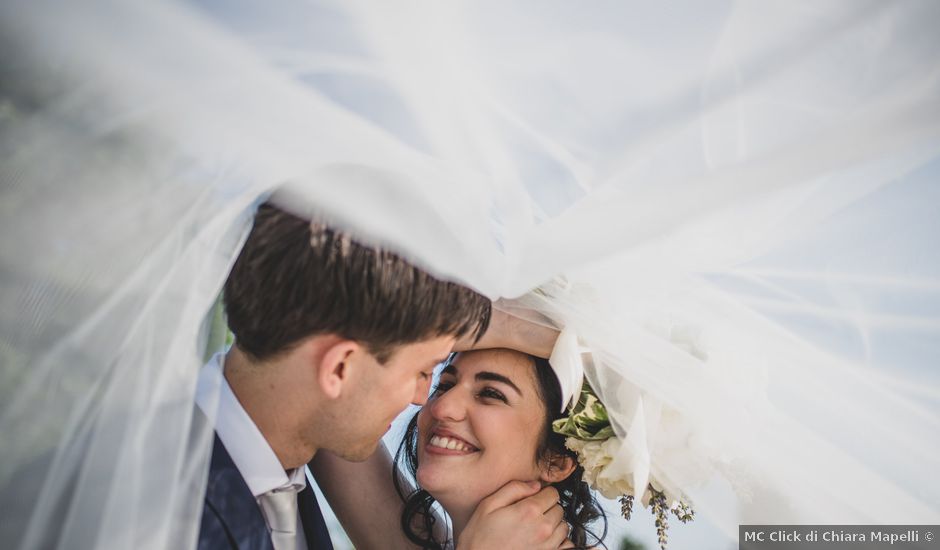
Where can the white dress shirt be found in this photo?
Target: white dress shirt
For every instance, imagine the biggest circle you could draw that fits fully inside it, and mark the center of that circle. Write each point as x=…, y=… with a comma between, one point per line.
x=250, y=451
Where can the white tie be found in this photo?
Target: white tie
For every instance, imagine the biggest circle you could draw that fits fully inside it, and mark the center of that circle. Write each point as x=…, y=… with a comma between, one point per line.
x=280, y=511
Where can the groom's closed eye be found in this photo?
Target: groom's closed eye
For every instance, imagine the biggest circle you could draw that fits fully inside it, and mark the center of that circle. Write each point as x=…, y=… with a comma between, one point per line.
x=429, y=372
x=441, y=387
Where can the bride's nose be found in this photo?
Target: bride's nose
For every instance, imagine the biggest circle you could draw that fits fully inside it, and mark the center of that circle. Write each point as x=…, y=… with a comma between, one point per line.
x=451, y=405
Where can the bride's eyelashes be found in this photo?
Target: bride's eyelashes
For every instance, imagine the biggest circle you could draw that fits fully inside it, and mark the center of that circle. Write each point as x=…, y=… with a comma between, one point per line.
x=492, y=393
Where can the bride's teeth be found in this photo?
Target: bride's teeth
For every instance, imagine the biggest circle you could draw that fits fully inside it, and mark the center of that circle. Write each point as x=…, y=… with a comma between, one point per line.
x=448, y=443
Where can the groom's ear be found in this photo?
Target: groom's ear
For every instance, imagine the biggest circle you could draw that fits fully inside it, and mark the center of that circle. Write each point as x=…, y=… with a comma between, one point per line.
x=333, y=370
x=556, y=468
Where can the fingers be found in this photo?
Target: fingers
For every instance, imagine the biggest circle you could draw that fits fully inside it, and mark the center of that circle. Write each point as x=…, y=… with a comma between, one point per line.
x=507, y=330
x=559, y=538
x=545, y=499
x=511, y=493
x=494, y=337
x=555, y=515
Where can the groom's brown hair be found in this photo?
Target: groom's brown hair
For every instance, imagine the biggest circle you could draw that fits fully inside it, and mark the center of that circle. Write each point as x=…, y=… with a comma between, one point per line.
x=294, y=279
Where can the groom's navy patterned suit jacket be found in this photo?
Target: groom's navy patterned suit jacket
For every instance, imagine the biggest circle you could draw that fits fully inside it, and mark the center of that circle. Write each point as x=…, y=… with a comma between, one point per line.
x=231, y=518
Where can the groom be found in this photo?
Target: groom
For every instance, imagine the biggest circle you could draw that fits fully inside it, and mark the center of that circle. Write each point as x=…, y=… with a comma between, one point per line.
x=333, y=340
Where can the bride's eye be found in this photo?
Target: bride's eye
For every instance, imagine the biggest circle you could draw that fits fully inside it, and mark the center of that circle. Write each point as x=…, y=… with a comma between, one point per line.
x=492, y=393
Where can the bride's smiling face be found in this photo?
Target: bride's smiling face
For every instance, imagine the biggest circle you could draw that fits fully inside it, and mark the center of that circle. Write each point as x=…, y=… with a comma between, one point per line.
x=481, y=427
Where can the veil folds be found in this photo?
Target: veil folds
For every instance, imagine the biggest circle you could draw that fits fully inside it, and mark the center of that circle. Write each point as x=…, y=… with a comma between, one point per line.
x=733, y=206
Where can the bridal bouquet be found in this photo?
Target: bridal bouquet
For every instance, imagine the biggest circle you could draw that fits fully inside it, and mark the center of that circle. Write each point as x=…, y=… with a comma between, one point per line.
x=590, y=434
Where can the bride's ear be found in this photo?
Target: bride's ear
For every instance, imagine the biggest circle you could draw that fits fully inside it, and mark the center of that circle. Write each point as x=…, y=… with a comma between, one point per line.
x=556, y=468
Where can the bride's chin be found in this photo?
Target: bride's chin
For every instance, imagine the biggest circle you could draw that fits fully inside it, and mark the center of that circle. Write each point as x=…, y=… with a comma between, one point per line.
x=434, y=480
x=426, y=480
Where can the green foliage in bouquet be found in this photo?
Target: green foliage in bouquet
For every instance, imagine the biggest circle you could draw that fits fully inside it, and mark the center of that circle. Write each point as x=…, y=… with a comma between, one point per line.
x=587, y=420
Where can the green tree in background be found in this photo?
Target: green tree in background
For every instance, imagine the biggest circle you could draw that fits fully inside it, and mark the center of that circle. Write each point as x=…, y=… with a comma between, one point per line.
x=629, y=543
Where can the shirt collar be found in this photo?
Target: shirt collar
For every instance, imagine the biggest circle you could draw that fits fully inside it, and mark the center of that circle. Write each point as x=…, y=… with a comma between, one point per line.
x=250, y=451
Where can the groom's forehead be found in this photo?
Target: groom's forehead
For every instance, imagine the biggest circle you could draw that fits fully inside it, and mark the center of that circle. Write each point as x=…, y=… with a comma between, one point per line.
x=419, y=357
x=428, y=352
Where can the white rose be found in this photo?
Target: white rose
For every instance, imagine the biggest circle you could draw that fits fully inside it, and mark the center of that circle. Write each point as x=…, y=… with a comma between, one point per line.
x=613, y=488
x=594, y=457
x=591, y=454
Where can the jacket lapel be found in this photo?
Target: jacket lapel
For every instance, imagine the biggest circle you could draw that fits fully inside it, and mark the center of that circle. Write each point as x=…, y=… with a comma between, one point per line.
x=318, y=536
x=230, y=499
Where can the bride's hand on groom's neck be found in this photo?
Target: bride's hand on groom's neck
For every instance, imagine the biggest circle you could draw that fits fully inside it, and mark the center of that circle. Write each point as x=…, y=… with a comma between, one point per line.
x=519, y=515
x=513, y=332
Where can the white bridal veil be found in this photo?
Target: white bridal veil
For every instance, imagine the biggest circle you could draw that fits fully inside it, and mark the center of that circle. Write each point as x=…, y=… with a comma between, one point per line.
x=734, y=206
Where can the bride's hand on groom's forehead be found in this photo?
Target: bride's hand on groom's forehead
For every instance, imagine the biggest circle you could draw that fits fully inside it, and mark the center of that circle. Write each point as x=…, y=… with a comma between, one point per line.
x=513, y=332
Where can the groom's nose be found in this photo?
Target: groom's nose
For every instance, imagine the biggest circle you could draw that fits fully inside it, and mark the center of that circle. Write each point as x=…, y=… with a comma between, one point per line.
x=422, y=388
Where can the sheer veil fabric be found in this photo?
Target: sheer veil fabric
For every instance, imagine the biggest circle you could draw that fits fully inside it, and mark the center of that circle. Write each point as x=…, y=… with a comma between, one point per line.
x=733, y=206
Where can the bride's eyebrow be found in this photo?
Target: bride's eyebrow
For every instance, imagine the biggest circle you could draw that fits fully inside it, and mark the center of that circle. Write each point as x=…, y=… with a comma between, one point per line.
x=495, y=377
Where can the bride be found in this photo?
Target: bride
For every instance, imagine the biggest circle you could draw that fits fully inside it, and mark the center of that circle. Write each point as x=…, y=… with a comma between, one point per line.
x=488, y=421
x=740, y=209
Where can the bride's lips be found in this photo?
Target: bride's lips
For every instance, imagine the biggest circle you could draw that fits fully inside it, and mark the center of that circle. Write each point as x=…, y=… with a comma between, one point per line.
x=446, y=442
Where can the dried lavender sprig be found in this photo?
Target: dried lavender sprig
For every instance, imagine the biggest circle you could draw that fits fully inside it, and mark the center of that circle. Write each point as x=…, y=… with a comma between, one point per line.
x=626, y=506
x=660, y=509
x=684, y=512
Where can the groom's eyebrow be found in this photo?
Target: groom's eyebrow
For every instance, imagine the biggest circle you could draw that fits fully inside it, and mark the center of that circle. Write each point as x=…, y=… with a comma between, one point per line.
x=495, y=377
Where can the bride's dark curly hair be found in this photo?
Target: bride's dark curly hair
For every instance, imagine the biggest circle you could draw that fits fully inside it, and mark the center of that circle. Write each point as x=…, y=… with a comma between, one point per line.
x=577, y=500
